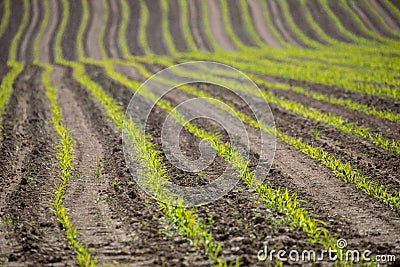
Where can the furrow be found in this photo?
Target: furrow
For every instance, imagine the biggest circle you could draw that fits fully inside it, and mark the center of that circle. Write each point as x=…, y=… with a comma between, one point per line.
x=258, y=17
x=93, y=219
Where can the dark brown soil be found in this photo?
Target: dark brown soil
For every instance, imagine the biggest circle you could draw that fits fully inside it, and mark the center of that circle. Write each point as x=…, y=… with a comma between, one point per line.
x=346, y=20
x=300, y=20
x=323, y=20
x=9, y=32
x=115, y=219
x=196, y=22
x=390, y=12
x=380, y=28
x=33, y=235
x=281, y=24
x=345, y=228
x=238, y=24
x=155, y=37
x=132, y=29
x=175, y=25
x=68, y=40
x=380, y=103
x=246, y=219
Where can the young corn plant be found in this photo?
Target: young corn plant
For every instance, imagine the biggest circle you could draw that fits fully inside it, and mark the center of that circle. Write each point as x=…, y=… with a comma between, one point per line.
x=65, y=158
x=64, y=148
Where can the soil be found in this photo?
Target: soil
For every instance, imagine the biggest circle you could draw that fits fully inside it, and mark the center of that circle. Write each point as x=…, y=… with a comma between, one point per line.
x=196, y=21
x=326, y=24
x=217, y=26
x=115, y=219
x=260, y=26
x=155, y=39
x=281, y=24
x=238, y=24
x=175, y=25
x=132, y=29
x=31, y=233
x=299, y=18
x=9, y=33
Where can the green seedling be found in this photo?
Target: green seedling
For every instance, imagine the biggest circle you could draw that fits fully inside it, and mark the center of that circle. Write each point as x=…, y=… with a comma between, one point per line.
x=6, y=220
x=316, y=133
x=29, y=178
x=200, y=174
x=100, y=165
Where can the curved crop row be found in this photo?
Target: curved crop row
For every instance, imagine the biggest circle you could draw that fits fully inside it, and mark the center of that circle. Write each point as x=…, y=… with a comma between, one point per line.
x=296, y=30
x=338, y=64
x=185, y=26
x=381, y=20
x=331, y=99
x=6, y=16
x=378, y=83
x=356, y=18
x=277, y=199
x=386, y=79
x=65, y=156
x=366, y=184
x=65, y=148
x=328, y=119
x=6, y=86
x=356, y=106
x=343, y=170
x=356, y=80
x=183, y=218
